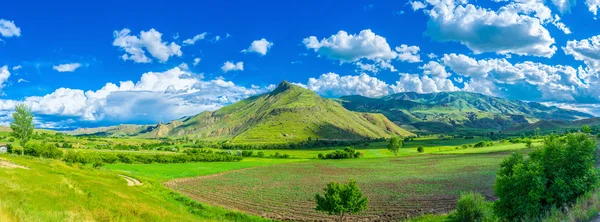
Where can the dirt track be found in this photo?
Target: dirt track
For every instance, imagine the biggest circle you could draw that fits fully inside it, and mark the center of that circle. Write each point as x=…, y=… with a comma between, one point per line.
x=131, y=181
x=5, y=164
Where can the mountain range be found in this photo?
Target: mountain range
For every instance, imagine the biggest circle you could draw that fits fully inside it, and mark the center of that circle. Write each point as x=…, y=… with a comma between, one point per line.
x=457, y=111
x=292, y=113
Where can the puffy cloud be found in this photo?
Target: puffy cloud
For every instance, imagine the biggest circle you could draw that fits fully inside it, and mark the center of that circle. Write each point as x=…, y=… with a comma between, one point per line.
x=151, y=41
x=350, y=48
x=195, y=39
x=4, y=74
x=69, y=67
x=515, y=28
x=9, y=29
x=432, y=55
x=261, y=46
x=593, y=6
x=586, y=50
x=230, y=66
x=435, y=69
x=564, y=6
x=408, y=53
x=417, y=5
x=156, y=96
x=422, y=84
x=332, y=85
x=196, y=61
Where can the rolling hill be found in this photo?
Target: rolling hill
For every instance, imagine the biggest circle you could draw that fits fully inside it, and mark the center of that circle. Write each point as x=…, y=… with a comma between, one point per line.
x=457, y=111
x=288, y=113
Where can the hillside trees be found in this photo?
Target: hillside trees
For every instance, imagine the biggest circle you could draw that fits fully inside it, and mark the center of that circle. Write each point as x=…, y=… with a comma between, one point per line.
x=22, y=125
x=341, y=199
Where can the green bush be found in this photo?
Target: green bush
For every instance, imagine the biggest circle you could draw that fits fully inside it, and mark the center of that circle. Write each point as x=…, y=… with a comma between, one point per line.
x=472, y=207
x=420, y=149
x=260, y=154
x=347, y=153
x=46, y=150
x=553, y=177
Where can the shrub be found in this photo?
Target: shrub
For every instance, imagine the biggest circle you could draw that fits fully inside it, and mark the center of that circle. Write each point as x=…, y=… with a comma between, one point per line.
x=472, y=207
x=347, y=153
x=247, y=153
x=553, y=177
x=321, y=156
x=260, y=154
x=420, y=149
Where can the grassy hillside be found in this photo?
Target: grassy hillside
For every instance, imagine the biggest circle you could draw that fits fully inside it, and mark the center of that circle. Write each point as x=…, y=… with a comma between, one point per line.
x=49, y=190
x=457, y=111
x=554, y=125
x=289, y=113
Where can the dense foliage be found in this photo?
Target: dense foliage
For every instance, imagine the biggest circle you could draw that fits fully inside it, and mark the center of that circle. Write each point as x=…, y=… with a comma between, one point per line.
x=394, y=145
x=553, y=177
x=299, y=145
x=198, y=156
x=347, y=153
x=22, y=125
x=340, y=199
x=472, y=207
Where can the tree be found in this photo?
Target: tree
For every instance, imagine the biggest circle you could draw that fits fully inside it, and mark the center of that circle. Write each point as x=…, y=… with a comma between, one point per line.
x=528, y=144
x=586, y=129
x=22, y=125
x=537, y=132
x=340, y=199
x=553, y=177
x=395, y=145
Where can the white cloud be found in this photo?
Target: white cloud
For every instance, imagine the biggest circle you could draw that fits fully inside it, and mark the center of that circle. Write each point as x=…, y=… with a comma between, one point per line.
x=261, y=46
x=564, y=6
x=408, y=53
x=196, y=61
x=230, y=66
x=435, y=69
x=15, y=68
x=21, y=80
x=593, y=6
x=511, y=29
x=4, y=74
x=432, y=55
x=150, y=41
x=351, y=48
x=417, y=5
x=422, y=84
x=69, y=67
x=156, y=96
x=333, y=85
x=9, y=29
x=195, y=39
x=586, y=50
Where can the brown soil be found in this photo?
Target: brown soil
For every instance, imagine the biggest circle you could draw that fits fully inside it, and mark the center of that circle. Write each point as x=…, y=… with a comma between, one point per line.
x=8, y=165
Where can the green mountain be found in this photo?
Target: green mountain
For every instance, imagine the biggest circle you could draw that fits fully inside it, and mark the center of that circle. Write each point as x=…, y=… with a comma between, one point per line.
x=457, y=111
x=554, y=125
x=288, y=113
x=116, y=131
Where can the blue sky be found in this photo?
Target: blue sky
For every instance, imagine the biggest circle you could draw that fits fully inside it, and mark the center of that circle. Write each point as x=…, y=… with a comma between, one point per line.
x=84, y=65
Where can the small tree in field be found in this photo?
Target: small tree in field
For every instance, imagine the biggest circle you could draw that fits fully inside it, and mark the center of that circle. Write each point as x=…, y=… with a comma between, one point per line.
x=22, y=125
x=341, y=199
x=395, y=145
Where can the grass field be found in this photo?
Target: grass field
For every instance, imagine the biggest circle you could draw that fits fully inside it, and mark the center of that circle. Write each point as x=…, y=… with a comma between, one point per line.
x=398, y=188
x=49, y=190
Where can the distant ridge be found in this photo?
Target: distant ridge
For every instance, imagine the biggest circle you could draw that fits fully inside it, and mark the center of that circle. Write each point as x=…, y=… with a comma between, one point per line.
x=457, y=111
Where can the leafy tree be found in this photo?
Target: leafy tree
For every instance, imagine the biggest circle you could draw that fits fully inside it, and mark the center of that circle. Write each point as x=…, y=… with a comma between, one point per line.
x=472, y=207
x=420, y=149
x=552, y=177
x=22, y=125
x=537, y=132
x=528, y=144
x=341, y=199
x=395, y=145
x=586, y=129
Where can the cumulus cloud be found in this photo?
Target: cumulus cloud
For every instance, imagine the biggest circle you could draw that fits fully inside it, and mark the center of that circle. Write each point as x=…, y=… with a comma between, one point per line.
x=422, y=84
x=516, y=28
x=408, y=53
x=333, y=85
x=586, y=50
x=196, y=61
x=156, y=96
x=350, y=48
x=9, y=29
x=417, y=5
x=195, y=39
x=4, y=74
x=593, y=6
x=69, y=67
x=261, y=46
x=135, y=47
x=564, y=6
x=230, y=66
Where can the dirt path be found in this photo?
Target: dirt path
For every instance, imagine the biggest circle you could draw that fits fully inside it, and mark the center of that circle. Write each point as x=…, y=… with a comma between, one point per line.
x=5, y=164
x=131, y=181
x=173, y=183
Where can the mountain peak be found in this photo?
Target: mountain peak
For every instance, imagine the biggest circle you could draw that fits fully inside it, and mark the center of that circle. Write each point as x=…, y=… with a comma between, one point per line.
x=284, y=86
